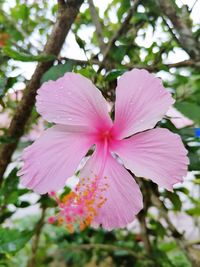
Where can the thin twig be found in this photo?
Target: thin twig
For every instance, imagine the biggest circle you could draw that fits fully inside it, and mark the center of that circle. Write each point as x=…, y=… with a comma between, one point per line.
x=106, y=247
x=193, y=5
x=171, y=31
x=178, y=237
x=119, y=32
x=110, y=65
x=98, y=26
x=144, y=231
x=180, y=24
x=36, y=239
x=143, y=213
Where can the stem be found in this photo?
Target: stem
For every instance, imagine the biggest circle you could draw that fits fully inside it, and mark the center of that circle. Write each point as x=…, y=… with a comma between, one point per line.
x=144, y=231
x=36, y=239
x=106, y=247
x=178, y=237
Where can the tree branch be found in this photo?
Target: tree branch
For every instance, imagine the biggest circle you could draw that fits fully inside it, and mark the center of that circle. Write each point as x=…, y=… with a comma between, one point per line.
x=36, y=239
x=61, y=3
x=193, y=5
x=109, y=65
x=182, y=27
x=54, y=44
x=143, y=214
x=119, y=32
x=106, y=247
x=98, y=26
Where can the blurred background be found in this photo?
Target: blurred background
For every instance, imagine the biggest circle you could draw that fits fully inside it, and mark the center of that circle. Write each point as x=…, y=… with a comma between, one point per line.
x=41, y=40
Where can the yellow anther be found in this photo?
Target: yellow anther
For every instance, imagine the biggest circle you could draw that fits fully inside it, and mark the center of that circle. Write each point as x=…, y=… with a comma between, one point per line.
x=70, y=228
x=82, y=226
x=60, y=221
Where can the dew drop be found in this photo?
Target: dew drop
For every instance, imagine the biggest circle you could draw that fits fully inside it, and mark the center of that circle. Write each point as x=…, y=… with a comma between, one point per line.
x=57, y=116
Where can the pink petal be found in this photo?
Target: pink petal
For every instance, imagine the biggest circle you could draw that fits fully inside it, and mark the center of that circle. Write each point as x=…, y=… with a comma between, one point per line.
x=178, y=119
x=141, y=101
x=73, y=100
x=52, y=159
x=156, y=154
x=123, y=199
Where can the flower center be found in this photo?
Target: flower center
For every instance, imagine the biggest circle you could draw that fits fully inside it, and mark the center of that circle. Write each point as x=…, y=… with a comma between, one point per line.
x=79, y=207
x=105, y=136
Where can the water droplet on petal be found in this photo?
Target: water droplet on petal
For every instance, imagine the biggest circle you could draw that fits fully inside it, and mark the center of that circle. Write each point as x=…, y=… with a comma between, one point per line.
x=57, y=117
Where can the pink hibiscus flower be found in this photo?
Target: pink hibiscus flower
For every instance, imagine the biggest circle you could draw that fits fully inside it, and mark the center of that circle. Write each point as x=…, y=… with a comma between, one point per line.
x=107, y=194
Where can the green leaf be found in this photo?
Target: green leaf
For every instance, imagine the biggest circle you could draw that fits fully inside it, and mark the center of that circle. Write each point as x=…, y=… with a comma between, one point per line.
x=58, y=71
x=5, y=214
x=5, y=84
x=169, y=246
x=194, y=161
x=113, y=74
x=194, y=211
x=196, y=181
x=20, y=56
x=2, y=86
x=157, y=228
x=175, y=200
x=87, y=72
x=6, y=139
x=12, y=240
x=9, y=192
x=183, y=190
x=80, y=42
x=46, y=201
x=118, y=53
x=124, y=7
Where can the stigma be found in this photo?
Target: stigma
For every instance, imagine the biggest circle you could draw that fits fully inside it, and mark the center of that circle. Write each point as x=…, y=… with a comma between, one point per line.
x=78, y=208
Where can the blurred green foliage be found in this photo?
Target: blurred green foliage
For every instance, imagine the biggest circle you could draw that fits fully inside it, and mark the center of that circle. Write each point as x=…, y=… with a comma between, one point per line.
x=28, y=240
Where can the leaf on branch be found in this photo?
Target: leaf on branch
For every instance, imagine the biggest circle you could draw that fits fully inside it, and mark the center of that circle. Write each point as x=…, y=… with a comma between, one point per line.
x=190, y=110
x=12, y=240
x=21, y=56
x=57, y=71
x=113, y=74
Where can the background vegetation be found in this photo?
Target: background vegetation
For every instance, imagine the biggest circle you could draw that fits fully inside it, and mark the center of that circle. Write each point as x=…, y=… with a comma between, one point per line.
x=41, y=40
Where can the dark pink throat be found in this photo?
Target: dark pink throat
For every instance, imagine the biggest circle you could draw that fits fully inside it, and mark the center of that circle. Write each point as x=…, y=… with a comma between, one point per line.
x=106, y=135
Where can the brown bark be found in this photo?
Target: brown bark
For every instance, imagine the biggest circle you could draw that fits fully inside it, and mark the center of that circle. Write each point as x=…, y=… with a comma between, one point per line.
x=66, y=15
x=180, y=19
